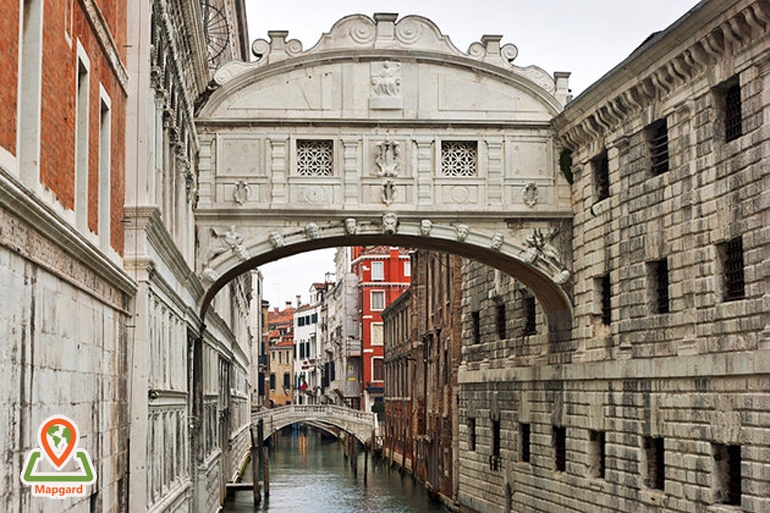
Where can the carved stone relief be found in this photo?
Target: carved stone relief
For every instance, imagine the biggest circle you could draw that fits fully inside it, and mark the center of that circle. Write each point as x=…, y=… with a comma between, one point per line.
x=241, y=192
x=497, y=241
x=350, y=226
x=276, y=239
x=312, y=231
x=386, y=79
x=462, y=232
x=425, y=226
x=529, y=195
x=389, y=223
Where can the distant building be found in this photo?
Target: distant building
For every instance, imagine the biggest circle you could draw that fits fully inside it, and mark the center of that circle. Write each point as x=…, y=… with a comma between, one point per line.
x=423, y=341
x=308, y=364
x=280, y=364
x=383, y=275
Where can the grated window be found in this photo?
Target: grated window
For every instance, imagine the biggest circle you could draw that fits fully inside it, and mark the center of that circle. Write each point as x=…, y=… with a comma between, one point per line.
x=601, y=169
x=727, y=474
x=314, y=158
x=458, y=158
x=530, y=316
x=660, y=269
x=654, y=451
x=733, y=114
x=524, y=435
x=732, y=254
x=657, y=136
x=501, y=321
x=606, y=290
x=476, y=326
x=560, y=448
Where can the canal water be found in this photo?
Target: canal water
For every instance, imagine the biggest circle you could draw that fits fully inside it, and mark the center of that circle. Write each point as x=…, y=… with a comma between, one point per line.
x=308, y=474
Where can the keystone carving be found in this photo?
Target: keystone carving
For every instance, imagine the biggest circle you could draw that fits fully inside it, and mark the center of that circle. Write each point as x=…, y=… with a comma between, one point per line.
x=350, y=226
x=462, y=232
x=389, y=223
x=276, y=239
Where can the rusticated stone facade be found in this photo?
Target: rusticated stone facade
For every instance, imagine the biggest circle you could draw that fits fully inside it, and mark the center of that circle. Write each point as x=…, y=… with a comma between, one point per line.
x=660, y=399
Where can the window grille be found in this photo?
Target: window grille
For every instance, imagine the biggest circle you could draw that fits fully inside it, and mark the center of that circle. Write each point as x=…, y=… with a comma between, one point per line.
x=530, y=316
x=495, y=462
x=733, y=114
x=476, y=327
x=660, y=269
x=458, y=158
x=658, y=146
x=560, y=448
x=732, y=254
x=601, y=169
x=314, y=158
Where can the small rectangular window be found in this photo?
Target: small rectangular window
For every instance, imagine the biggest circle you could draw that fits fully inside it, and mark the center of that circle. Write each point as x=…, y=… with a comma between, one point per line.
x=378, y=271
x=501, y=323
x=476, y=326
x=596, y=454
x=494, y=460
x=559, y=442
x=378, y=369
x=530, y=315
x=657, y=144
x=601, y=168
x=286, y=380
x=733, y=116
x=407, y=268
x=471, y=434
x=659, y=272
x=606, y=299
x=524, y=443
x=378, y=300
x=727, y=474
x=654, y=452
x=272, y=381
x=376, y=333
x=731, y=254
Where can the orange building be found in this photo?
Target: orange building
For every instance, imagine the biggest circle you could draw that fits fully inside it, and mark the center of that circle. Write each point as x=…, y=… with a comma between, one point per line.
x=280, y=347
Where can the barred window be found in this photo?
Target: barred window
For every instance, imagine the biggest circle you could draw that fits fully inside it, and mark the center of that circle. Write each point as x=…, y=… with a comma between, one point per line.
x=601, y=169
x=314, y=158
x=657, y=143
x=524, y=443
x=659, y=270
x=596, y=454
x=501, y=322
x=654, y=454
x=459, y=158
x=731, y=253
x=727, y=474
x=559, y=443
x=605, y=289
x=530, y=316
x=733, y=116
x=476, y=326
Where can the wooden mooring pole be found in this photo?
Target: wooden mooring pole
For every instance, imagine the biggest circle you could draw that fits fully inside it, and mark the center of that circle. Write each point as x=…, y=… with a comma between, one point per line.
x=263, y=458
x=366, y=460
x=255, y=459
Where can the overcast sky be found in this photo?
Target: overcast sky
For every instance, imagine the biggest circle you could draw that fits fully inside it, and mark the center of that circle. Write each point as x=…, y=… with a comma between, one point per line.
x=584, y=37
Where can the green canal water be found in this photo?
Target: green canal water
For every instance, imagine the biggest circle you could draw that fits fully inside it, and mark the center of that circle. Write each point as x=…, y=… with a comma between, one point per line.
x=308, y=474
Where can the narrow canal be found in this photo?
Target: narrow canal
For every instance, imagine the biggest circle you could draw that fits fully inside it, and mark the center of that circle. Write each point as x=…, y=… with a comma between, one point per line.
x=308, y=473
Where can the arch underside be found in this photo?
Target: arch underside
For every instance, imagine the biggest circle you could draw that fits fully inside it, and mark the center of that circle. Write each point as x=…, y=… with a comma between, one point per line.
x=361, y=430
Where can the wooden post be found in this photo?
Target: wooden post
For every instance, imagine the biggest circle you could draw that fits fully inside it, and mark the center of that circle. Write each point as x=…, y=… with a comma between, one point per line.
x=266, y=471
x=366, y=460
x=354, y=455
x=255, y=457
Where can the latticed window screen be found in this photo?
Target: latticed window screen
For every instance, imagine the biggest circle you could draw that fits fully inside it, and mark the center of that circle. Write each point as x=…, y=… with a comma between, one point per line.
x=459, y=158
x=657, y=138
x=733, y=115
x=314, y=158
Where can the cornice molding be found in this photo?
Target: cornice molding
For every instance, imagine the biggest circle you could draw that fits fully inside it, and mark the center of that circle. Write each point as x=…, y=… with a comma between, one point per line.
x=106, y=41
x=687, y=50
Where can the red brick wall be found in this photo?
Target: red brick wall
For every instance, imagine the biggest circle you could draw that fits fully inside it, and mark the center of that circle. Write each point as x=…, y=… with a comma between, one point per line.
x=57, y=163
x=9, y=56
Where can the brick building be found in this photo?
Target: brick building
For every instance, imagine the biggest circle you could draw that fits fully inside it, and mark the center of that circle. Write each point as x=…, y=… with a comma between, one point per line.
x=279, y=339
x=423, y=335
x=383, y=275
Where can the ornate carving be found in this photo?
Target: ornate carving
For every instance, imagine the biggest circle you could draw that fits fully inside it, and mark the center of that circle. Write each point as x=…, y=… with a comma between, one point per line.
x=241, y=192
x=529, y=195
x=388, y=193
x=229, y=239
x=562, y=277
x=389, y=223
x=541, y=243
x=497, y=241
x=209, y=275
x=458, y=158
x=350, y=226
x=312, y=231
x=462, y=232
x=314, y=158
x=425, y=226
x=388, y=158
x=386, y=79
x=276, y=239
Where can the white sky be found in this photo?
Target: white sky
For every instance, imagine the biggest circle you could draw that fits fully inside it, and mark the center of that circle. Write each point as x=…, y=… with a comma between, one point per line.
x=584, y=37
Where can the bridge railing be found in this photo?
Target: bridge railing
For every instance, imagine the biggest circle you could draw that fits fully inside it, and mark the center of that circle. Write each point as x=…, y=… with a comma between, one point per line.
x=313, y=411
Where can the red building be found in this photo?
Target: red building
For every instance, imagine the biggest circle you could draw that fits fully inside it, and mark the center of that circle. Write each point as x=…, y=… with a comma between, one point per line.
x=383, y=275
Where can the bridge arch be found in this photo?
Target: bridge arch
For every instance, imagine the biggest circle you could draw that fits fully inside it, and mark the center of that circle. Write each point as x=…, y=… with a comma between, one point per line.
x=384, y=133
x=354, y=422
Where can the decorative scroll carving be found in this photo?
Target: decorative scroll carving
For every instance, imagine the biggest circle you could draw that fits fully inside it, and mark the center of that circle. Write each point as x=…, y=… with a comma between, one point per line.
x=529, y=195
x=388, y=158
x=210, y=275
x=461, y=231
x=350, y=226
x=425, y=227
x=388, y=193
x=241, y=192
x=389, y=223
x=314, y=158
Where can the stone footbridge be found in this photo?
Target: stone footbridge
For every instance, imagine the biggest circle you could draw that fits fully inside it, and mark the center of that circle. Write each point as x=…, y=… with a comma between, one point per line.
x=358, y=423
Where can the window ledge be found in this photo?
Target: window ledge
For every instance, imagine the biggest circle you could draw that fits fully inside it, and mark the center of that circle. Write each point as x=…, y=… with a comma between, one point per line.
x=653, y=497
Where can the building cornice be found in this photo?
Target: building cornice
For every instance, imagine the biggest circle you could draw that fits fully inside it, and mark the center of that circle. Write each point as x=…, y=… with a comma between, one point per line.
x=670, y=60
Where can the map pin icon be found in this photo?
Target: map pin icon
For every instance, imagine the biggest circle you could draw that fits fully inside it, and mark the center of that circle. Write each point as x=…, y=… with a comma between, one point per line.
x=58, y=438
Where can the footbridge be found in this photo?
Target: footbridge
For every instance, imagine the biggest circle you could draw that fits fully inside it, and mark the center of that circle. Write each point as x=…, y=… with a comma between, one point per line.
x=358, y=423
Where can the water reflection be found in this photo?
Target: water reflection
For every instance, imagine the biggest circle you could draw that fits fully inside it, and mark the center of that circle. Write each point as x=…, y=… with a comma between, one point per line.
x=308, y=473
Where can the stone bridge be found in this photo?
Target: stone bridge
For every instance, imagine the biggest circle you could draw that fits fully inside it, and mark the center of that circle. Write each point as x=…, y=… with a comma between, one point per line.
x=358, y=423
x=384, y=133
